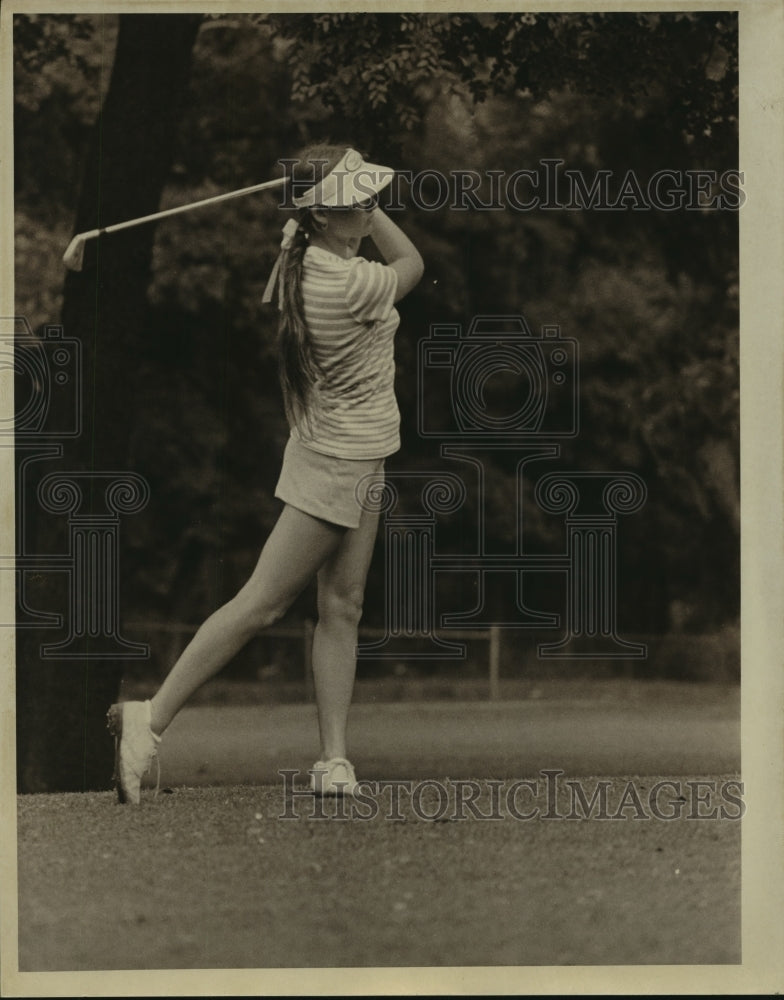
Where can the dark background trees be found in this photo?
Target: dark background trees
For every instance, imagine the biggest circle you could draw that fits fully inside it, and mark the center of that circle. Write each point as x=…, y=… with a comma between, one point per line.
x=187, y=380
x=62, y=741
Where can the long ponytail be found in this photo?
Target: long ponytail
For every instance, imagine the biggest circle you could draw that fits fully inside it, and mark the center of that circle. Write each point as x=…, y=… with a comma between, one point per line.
x=298, y=369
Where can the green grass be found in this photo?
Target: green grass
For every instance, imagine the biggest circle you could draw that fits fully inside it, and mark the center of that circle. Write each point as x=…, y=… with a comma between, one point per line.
x=214, y=878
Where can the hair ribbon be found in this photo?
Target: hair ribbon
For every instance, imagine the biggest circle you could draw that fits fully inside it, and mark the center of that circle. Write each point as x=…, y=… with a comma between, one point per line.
x=289, y=232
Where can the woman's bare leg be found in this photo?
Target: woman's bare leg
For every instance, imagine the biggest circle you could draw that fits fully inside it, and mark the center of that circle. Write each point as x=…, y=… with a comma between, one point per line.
x=297, y=547
x=341, y=588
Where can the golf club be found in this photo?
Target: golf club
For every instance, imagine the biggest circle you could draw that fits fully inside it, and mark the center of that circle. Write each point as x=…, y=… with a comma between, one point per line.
x=74, y=254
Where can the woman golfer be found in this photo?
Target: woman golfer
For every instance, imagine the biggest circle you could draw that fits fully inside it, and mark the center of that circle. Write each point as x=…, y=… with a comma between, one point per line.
x=336, y=332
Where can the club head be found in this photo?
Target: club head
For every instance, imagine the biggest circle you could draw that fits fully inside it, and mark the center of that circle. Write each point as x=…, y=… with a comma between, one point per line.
x=73, y=258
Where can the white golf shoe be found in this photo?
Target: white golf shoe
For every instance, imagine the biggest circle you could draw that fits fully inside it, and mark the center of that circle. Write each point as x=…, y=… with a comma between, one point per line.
x=135, y=746
x=333, y=777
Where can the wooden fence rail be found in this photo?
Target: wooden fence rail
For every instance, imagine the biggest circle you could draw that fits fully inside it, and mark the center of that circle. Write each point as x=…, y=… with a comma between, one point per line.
x=714, y=656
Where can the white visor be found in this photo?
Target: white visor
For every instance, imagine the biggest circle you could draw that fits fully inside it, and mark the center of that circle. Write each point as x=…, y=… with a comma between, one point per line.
x=350, y=182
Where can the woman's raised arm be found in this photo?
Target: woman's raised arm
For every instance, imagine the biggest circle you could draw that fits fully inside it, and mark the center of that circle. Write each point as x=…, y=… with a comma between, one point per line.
x=398, y=251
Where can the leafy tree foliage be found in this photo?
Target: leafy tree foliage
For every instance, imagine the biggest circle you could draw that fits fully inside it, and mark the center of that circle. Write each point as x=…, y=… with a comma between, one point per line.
x=383, y=68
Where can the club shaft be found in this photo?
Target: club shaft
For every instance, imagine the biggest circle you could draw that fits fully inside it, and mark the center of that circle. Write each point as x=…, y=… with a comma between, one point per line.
x=278, y=182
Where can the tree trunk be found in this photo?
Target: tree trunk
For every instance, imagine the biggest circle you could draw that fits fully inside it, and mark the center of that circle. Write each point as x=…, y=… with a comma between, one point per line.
x=61, y=702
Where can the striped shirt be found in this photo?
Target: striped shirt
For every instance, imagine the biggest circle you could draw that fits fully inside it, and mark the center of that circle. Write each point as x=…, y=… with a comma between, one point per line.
x=349, y=309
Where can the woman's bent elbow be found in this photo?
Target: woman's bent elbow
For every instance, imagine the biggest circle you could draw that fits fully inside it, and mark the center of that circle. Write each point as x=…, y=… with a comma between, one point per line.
x=409, y=274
